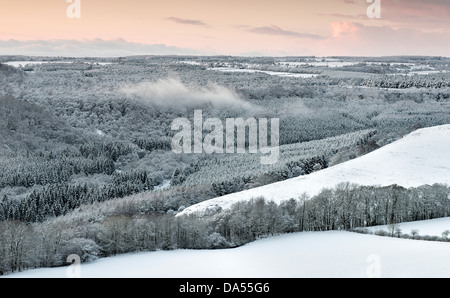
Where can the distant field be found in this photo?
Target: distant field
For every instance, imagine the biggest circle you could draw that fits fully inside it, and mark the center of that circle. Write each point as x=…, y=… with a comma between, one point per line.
x=432, y=227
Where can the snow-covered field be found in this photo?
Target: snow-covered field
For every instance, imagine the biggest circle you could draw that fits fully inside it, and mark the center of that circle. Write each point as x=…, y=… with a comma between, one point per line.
x=432, y=227
x=30, y=63
x=328, y=63
x=425, y=72
x=417, y=159
x=23, y=63
x=272, y=73
x=331, y=254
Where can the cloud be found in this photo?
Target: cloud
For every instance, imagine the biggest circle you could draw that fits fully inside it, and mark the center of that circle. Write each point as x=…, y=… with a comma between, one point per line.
x=275, y=30
x=174, y=93
x=362, y=16
x=91, y=48
x=430, y=14
x=187, y=21
x=344, y=29
x=433, y=14
x=383, y=41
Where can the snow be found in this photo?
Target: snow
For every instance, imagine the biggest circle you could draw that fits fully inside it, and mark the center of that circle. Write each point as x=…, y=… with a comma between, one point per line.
x=328, y=63
x=272, y=73
x=418, y=159
x=24, y=63
x=332, y=254
x=413, y=68
x=425, y=72
x=431, y=227
x=196, y=63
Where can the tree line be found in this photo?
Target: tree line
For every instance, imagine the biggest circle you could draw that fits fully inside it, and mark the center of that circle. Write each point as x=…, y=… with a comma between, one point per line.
x=436, y=81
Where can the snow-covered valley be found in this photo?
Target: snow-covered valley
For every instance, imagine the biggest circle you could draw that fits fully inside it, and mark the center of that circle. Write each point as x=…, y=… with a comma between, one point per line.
x=88, y=170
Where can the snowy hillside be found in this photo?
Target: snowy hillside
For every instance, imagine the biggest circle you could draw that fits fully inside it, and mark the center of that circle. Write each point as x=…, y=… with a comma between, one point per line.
x=305, y=254
x=417, y=159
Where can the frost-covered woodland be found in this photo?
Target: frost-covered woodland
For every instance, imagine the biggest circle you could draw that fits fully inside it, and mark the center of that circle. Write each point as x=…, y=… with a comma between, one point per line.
x=86, y=146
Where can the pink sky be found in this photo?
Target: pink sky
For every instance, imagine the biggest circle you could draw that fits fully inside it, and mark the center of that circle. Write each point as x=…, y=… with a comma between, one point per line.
x=232, y=27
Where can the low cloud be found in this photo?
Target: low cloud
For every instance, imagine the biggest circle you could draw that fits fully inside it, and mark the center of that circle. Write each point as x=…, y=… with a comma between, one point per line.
x=187, y=21
x=362, y=16
x=174, y=93
x=345, y=29
x=91, y=48
x=275, y=30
